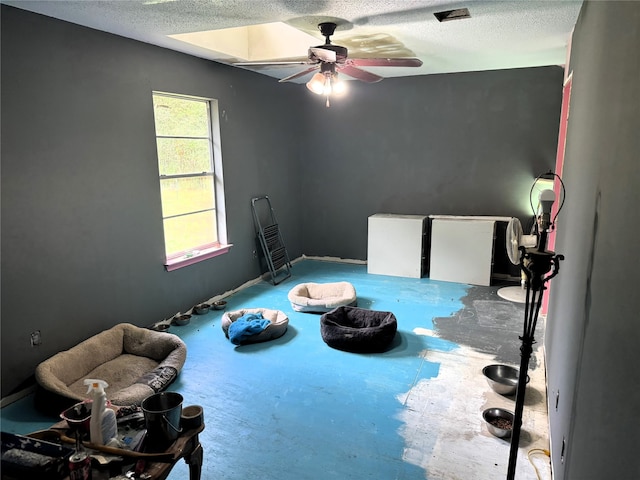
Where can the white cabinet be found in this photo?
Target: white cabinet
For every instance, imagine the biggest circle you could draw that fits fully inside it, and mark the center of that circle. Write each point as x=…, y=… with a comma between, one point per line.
x=462, y=250
x=395, y=245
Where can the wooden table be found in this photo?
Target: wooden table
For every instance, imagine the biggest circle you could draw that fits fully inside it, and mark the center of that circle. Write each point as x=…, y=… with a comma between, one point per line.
x=157, y=466
x=187, y=446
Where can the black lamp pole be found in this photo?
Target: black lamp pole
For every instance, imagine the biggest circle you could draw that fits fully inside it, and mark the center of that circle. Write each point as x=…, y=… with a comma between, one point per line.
x=536, y=263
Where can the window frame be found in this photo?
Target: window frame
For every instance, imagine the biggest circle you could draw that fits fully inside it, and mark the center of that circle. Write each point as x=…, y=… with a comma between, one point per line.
x=199, y=252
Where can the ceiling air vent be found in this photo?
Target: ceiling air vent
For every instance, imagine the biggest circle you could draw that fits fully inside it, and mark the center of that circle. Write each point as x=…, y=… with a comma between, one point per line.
x=457, y=14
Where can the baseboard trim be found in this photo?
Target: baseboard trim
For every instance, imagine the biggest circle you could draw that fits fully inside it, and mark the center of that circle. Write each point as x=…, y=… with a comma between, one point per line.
x=332, y=259
x=14, y=397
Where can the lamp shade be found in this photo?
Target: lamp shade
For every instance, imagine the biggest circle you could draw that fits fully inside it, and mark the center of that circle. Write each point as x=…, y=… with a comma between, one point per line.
x=316, y=84
x=339, y=86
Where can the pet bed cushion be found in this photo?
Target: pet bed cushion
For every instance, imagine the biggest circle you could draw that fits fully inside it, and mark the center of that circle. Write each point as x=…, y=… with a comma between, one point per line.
x=359, y=330
x=136, y=362
x=321, y=297
x=278, y=323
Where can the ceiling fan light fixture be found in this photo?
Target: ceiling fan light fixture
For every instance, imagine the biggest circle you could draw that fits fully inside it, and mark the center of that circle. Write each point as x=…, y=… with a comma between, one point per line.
x=327, y=89
x=339, y=86
x=317, y=83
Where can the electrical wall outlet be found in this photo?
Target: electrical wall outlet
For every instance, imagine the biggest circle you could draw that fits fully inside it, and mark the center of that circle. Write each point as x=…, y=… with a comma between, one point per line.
x=36, y=338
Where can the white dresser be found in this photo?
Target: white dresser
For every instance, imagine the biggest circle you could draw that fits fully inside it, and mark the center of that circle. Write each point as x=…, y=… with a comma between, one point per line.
x=462, y=248
x=396, y=245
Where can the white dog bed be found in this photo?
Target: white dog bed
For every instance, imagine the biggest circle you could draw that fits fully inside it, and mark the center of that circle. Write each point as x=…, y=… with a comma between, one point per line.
x=275, y=329
x=322, y=297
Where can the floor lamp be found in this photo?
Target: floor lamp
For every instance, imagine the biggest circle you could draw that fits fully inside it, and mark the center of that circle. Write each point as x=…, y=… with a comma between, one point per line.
x=539, y=265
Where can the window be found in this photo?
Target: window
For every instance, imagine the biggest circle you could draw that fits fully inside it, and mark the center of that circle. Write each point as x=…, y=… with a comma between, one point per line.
x=191, y=187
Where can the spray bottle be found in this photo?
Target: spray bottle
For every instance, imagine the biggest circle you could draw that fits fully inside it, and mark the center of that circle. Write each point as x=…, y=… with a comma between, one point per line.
x=102, y=426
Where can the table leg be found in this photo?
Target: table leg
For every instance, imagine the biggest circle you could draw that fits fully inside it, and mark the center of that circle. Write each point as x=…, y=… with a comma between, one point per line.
x=194, y=460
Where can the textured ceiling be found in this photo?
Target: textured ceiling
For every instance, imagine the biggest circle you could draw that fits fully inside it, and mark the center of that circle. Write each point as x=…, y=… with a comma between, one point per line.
x=499, y=34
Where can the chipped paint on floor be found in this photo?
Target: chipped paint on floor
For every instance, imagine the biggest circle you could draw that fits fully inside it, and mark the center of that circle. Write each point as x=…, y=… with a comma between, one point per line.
x=464, y=448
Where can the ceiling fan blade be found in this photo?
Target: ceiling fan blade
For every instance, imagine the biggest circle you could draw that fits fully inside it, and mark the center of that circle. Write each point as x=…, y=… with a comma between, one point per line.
x=361, y=75
x=385, y=62
x=323, y=54
x=299, y=74
x=249, y=64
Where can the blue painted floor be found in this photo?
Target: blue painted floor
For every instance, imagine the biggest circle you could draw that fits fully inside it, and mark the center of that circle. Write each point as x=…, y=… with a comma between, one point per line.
x=293, y=408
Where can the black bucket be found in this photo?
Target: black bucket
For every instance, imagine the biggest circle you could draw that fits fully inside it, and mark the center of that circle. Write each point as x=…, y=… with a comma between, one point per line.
x=162, y=413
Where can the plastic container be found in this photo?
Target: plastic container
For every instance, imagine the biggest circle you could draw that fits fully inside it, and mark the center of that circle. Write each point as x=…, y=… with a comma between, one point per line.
x=78, y=417
x=103, y=426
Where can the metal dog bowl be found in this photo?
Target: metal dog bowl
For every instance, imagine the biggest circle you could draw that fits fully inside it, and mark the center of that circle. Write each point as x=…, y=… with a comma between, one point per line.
x=160, y=326
x=219, y=305
x=181, y=320
x=499, y=421
x=503, y=379
x=201, y=309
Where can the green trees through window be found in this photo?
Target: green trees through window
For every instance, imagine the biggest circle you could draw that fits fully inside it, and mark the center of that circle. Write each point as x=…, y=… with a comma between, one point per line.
x=187, y=176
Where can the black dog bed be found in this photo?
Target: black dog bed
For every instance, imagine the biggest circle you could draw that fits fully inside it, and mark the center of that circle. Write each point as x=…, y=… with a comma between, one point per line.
x=359, y=330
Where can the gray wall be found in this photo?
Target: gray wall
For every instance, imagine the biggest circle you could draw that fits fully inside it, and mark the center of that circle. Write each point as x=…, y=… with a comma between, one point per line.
x=593, y=328
x=81, y=229
x=461, y=144
x=82, y=241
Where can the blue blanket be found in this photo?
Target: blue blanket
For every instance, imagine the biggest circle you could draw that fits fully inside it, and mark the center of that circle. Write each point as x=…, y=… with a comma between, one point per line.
x=246, y=326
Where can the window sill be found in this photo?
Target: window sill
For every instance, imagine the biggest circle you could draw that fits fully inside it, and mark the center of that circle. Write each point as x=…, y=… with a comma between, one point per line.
x=190, y=259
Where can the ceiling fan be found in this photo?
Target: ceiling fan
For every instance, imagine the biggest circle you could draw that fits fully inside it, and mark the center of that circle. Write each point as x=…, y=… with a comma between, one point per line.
x=330, y=59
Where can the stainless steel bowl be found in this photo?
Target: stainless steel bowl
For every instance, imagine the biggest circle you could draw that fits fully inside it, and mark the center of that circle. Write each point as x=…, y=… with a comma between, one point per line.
x=181, y=320
x=219, y=305
x=160, y=326
x=502, y=379
x=499, y=421
x=201, y=309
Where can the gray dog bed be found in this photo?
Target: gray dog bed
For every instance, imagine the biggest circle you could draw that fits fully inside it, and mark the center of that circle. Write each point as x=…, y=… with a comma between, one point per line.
x=358, y=330
x=136, y=362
